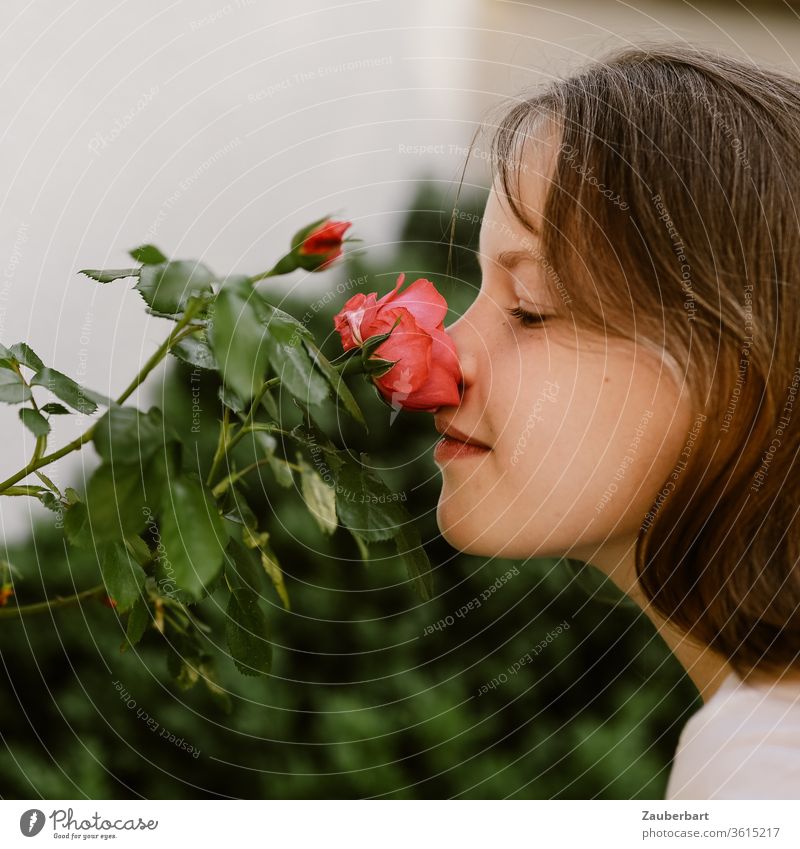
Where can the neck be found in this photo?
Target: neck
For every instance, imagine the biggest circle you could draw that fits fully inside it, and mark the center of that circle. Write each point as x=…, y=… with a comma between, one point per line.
x=706, y=668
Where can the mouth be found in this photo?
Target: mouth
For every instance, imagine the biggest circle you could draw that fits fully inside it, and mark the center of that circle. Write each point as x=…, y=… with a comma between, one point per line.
x=456, y=445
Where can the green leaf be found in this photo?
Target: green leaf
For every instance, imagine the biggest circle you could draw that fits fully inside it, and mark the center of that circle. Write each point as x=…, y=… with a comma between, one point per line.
x=340, y=388
x=12, y=388
x=127, y=435
x=195, y=351
x=76, y=525
x=120, y=497
x=139, y=549
x=268, y=403
x=167, y=286
x=242, y=568
x=280, y=468
x=148, y=255
x=66, y=389
x=319, y=497
x=122, y=575
x=288, y=356
x=23, y=354
x=55, y=409
x=35, y=422
x=109, y=274
x=366, y=505
x=246, y=633
x=231, y=399
x=418, y=566
x=138, y=621
x=193, y=535
x=239, y=341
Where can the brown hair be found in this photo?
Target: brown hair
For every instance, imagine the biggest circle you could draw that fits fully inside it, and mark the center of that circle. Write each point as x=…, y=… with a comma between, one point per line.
x=670, y=221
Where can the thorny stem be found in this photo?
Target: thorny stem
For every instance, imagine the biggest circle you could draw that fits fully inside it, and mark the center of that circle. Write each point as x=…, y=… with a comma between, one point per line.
x=51, y=603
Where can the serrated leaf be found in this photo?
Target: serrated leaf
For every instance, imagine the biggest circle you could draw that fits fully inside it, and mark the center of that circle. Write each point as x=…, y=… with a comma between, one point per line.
x=22, y=353
x=138, y=620
x=289, y=358
x=195, y=351
x=167, y=287
x=193, y=535
x=418, y=566
x=139, y=549
x=76, y=525
x=55, y=409
x=366, y=505
x=239, y=341
x=119, y=496
x=13, y=389
x=337, y=383
x=148, y=255
x=122, y=575
x=247, y=634
x=35, y=422
x=242, y=568
x=66, y=389
x=127, y=435
x=318, y=496
x=110, y=274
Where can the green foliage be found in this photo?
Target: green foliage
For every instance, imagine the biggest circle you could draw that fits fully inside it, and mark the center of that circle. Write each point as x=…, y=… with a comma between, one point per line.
x=352, y=693
x=193, y=535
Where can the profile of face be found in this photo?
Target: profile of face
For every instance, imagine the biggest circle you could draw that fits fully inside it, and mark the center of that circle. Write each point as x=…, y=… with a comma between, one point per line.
x=573, y=433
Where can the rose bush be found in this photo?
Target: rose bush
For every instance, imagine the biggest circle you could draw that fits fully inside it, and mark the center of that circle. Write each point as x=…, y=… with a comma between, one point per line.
x=422, y=371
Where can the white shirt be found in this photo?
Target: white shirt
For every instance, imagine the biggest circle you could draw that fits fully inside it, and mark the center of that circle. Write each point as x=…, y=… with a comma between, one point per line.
x=744, y=743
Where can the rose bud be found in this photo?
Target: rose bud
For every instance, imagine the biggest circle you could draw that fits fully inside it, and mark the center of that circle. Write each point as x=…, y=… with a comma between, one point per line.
x=319, y=245
x=6, y=591
x=314, y=248
x=108, y=601
x=423, y=372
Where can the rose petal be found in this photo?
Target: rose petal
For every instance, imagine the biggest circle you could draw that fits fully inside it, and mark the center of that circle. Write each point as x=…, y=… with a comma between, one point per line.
x=421, y=299
x=443, y=385
x=350, y=320
x=409, y=345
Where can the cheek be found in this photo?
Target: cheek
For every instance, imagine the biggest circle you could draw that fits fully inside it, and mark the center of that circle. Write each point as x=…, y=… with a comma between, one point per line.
x=591, y=454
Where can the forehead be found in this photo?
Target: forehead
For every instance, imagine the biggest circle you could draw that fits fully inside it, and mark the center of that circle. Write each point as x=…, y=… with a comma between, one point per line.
x=534, y=169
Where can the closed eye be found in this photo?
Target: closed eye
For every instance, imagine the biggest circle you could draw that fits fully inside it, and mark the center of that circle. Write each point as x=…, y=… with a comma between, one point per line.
x=528, y=319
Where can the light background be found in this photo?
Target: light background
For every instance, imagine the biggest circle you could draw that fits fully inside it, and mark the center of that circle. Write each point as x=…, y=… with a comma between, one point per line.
x=217, y=129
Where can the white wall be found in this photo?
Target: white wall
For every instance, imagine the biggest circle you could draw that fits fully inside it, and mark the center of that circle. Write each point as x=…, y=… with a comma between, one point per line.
x=216, y=129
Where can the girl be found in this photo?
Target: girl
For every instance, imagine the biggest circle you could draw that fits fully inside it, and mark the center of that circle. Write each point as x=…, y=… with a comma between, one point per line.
x=631, y=369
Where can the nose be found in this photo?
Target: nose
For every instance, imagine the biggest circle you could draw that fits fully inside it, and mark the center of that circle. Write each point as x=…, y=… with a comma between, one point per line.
x=463, y=336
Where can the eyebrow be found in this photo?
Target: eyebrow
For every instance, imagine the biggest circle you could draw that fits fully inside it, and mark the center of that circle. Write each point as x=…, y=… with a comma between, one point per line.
x=510, y=259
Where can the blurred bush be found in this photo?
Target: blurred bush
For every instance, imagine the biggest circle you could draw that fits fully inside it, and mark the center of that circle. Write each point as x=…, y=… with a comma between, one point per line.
x=361, y=703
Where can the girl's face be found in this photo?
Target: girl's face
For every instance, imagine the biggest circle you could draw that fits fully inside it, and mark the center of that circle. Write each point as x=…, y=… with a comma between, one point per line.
x=580, y=431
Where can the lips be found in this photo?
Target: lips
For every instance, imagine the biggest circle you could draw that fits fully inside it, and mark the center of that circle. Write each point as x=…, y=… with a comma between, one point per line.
x=456, y=445
x=450, y=432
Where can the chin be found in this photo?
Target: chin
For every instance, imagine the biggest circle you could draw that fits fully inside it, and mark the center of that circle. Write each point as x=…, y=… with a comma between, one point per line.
x=466, y=535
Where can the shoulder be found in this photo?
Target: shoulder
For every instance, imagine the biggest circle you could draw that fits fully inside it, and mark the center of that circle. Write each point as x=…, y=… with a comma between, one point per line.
x=744, y=743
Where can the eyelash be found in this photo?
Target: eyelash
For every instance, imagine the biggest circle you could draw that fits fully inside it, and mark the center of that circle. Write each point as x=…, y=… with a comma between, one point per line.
x=528, y=319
